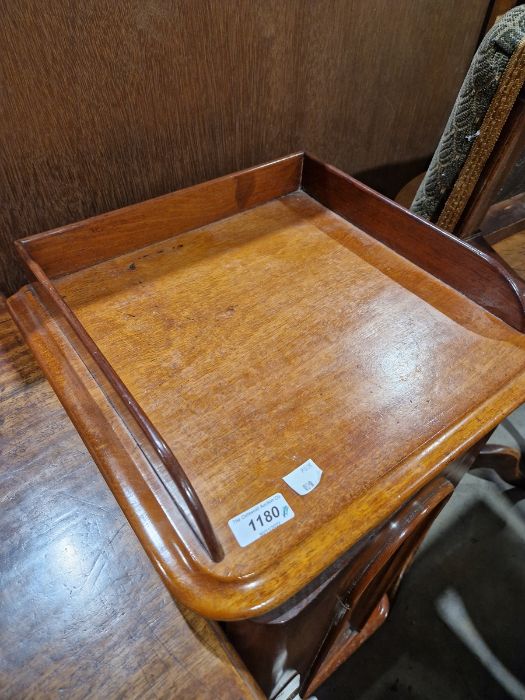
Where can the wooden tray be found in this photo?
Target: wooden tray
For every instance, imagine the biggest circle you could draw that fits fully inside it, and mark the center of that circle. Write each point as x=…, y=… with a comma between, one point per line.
x=208, y=342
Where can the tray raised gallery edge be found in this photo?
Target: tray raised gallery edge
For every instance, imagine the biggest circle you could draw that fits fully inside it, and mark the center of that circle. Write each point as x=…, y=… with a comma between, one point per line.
x=208, y=343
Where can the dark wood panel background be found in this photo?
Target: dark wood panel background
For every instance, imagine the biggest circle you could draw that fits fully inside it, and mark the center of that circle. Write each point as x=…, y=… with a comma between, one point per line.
x=108, y=102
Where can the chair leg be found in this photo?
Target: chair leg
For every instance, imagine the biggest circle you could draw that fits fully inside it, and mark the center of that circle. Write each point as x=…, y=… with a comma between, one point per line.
x=506, y=462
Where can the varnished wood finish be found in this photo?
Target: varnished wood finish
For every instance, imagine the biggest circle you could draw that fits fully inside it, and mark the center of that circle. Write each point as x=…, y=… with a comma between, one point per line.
x=83, y=612
x=511, y=230
x=305, y=635
x=109, y=103
x=86, y=243
x=376, y=574
x=507, y=461
x=62, y=250
x=372, y=580
x=316, y=631
x=134, y=411
x=348, y=644
x=512, y=250
x=347, y=335
x=475, y=273
x=502, y=217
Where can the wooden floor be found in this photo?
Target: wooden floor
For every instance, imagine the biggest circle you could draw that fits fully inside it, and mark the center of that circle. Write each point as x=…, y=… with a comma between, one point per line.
x=83, y=614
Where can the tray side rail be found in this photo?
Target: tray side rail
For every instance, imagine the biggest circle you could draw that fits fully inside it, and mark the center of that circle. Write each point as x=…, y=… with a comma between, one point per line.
x=70, y=248
x=206, y=533
x=474, y=273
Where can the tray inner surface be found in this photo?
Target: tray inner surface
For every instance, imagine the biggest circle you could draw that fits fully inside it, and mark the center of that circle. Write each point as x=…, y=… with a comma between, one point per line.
x=281, y=334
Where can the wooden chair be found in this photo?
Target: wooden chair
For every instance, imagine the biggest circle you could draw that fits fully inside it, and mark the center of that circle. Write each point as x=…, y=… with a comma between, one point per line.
x=483, y=140
x=483, y=135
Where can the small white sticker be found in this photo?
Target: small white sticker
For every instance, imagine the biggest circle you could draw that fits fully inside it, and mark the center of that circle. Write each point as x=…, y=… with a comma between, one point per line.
x=261, y=519
x=305, y=478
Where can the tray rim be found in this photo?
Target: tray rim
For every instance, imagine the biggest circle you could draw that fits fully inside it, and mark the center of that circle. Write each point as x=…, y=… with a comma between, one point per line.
x=337, y=192
x=499, y=290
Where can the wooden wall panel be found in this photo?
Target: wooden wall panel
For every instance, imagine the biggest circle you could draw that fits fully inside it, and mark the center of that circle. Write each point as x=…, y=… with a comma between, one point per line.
x=382, y=80
x=109, y=102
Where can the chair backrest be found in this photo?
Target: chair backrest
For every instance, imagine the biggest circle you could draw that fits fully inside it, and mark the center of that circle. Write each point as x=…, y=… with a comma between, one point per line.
x=483, y=132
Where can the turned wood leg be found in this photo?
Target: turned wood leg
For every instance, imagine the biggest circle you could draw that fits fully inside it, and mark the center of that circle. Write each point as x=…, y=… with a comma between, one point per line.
x=506, y=462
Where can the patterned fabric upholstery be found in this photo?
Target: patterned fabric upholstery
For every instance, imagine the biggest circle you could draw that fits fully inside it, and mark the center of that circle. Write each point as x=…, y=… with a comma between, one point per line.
x=477, y=92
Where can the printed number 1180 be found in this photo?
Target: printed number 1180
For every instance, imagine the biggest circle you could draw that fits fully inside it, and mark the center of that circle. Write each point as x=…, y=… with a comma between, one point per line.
x=264, y=518
x=260, y=519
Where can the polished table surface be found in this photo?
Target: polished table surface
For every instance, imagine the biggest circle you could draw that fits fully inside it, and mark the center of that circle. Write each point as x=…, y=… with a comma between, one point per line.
x=83, y=613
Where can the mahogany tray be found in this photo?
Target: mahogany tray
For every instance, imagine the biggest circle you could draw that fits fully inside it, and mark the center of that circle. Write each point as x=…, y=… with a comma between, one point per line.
x=209, y=342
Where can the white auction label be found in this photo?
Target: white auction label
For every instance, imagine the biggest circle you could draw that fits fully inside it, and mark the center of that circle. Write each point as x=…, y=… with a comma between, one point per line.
x=305, y=478
x=261, y=519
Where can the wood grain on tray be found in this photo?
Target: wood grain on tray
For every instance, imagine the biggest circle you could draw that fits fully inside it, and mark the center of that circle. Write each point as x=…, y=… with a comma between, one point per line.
x=282, y=333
